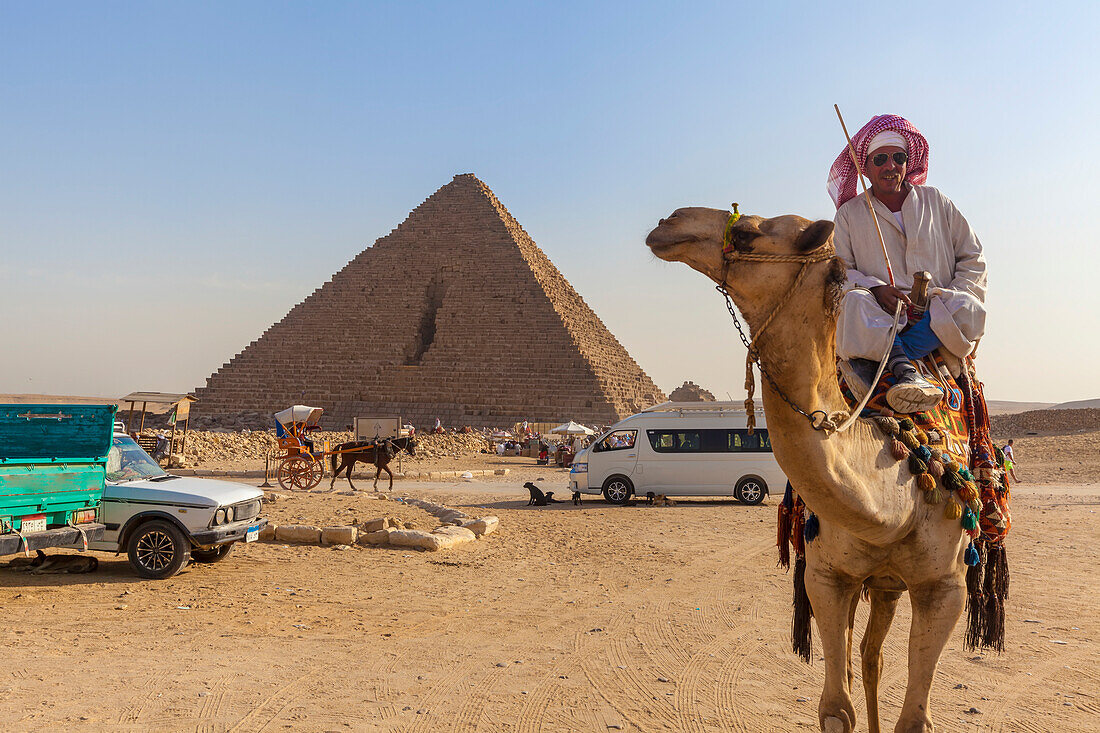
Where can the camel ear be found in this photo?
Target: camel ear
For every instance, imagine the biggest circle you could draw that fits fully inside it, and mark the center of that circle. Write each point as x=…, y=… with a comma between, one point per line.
x=814, y=236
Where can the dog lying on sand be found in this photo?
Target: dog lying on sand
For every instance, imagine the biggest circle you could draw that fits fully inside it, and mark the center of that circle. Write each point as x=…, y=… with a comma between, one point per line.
x=43, y=564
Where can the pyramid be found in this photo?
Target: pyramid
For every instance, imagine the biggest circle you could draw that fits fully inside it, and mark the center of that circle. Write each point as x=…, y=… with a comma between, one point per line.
x=457, y=315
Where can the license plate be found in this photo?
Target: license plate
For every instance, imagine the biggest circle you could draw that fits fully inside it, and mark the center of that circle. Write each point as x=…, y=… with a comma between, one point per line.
x=252, y=534
x=37, y=523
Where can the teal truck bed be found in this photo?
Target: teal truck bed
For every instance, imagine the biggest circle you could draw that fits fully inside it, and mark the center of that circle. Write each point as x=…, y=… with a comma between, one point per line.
x=53, y=462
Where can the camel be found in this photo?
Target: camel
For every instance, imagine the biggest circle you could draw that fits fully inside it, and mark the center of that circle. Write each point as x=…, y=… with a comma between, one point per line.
x=875, y=529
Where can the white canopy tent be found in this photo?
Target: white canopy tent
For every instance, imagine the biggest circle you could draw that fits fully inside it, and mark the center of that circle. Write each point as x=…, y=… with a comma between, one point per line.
x=572, y=428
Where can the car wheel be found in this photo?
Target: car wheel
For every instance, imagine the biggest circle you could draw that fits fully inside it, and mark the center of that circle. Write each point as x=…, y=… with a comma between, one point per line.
x=750, y=490
x=618, y=490
x=158, y=550
x=217, y=554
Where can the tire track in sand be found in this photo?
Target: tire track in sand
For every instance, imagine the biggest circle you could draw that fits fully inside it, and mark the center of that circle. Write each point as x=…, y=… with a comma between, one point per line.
x=534, y=711
x=132, y=713
x=279, y=698
x=212, y=707
x=469, y=715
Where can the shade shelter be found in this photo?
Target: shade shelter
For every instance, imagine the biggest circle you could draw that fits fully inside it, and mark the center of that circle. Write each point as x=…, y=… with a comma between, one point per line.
x=572, y=428
x=179, y=404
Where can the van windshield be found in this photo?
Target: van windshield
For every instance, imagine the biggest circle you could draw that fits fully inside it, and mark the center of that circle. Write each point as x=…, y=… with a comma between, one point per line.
x=128, y=462
x=617, y=440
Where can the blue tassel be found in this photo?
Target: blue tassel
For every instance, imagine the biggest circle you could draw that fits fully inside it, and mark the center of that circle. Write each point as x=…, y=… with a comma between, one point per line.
x=965, y=473
x=924, y=453
x=971, y=557
x=811, y=529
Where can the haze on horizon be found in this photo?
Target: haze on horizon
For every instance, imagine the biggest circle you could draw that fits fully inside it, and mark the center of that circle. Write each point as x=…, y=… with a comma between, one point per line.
x=173, y=179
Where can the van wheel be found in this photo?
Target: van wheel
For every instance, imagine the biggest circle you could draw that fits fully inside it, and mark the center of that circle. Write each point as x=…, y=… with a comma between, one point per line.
x=217, y=554
x=750, y=490
x=158, y=550
x=618, y=490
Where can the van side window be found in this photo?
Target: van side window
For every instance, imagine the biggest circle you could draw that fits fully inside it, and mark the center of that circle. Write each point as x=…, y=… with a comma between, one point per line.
x=765, y=441
x=675, y=441
x=618, y=440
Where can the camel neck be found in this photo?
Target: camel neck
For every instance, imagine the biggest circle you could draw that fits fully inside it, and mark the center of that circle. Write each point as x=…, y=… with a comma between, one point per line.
x=829, y=471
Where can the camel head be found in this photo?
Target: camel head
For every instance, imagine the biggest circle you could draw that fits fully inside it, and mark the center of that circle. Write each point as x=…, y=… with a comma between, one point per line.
x=694, y=236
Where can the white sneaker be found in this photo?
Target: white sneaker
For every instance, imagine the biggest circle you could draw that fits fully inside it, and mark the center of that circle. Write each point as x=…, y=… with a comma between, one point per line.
x=913, y=393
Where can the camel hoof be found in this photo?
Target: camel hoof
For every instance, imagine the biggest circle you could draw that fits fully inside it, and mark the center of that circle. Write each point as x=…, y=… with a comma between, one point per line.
x=834, y=725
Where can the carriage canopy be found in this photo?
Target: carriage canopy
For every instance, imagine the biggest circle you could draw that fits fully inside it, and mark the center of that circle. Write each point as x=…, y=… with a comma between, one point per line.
x=299, y=414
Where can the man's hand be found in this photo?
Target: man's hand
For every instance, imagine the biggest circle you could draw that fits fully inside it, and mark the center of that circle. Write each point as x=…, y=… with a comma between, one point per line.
x=888, y=297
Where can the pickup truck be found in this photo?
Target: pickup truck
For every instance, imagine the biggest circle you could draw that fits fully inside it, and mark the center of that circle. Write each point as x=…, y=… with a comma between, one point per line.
x=53, y=462
x=162, y=521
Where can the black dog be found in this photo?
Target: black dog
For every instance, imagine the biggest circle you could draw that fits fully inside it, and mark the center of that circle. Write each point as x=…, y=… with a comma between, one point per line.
x=649, y=498
x=576, y=498
x=537, y=497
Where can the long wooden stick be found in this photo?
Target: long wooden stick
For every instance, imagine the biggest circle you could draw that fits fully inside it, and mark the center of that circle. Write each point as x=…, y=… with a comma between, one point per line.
x=866, y=194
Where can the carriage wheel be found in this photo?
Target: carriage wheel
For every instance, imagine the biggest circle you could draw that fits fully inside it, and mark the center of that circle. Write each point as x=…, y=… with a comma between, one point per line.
x=300, y=473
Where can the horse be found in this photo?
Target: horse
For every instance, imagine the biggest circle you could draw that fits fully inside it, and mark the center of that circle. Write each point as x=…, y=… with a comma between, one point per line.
x=378, y=452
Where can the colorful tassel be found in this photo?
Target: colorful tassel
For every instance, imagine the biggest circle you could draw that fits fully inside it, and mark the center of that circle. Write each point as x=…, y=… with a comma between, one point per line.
x=971, y=556
x=936, y=453
x=922, y=436
x=935, y=437
x=923, y=453
x=917, y=466
x=969, y=519
x=909, y=439
x=907, y=424
x=935, y=496
x=887, y=425
x=953, y=510
x=965, y=473
x=812, y=528
x=967, y=492
x=950, y=465
x=975, y=507
x=886, y=412
x=925, y=482
x=898, y=450
x=935, y=467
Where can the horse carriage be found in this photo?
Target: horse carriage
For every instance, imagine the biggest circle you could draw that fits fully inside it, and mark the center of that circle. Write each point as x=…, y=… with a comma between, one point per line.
x=301, y=463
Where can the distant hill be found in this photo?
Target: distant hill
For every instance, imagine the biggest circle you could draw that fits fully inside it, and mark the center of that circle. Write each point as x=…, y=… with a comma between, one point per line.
x=1045, y=422
x=1007, y=407
x=1078, y=405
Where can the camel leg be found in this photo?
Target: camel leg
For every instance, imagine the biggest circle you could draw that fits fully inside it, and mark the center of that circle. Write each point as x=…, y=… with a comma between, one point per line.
x=848, y=650
x=884, y=603
x=831, y=598
x=936, y=609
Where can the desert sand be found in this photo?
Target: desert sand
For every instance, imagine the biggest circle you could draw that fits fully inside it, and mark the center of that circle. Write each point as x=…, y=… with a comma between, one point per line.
x=568, y=618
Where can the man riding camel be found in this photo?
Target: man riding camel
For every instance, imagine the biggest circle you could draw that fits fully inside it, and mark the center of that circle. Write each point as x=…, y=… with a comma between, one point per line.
x=922, y=230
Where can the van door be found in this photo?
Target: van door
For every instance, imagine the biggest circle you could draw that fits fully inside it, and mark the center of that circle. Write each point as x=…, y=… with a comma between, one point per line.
x=674, y=468
x=615, y=453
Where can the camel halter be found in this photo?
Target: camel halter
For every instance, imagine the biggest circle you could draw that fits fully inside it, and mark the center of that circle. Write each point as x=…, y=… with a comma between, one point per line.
x=819, y=419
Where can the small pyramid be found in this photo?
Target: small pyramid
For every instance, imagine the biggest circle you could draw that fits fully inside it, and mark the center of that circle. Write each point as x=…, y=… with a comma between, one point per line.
x=689, y=391
x=457, y=315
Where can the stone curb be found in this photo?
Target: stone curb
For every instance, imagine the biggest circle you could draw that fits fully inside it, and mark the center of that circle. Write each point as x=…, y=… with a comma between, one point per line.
x=457, y=528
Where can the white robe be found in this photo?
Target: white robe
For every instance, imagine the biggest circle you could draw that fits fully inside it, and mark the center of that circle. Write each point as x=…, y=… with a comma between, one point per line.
x=936, y=238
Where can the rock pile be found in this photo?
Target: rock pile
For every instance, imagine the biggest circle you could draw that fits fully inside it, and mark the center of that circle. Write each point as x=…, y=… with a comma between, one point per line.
x=1045, y=421
x=225, y=446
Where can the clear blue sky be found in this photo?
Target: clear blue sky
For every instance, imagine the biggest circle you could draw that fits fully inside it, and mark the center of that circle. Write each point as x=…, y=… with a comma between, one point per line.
x=174, y=177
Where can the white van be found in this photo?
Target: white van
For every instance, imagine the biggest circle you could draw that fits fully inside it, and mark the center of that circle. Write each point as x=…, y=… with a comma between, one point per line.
x=681, y=449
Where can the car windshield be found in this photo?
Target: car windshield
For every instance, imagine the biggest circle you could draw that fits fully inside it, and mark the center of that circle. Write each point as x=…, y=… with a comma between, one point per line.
x=128, y=462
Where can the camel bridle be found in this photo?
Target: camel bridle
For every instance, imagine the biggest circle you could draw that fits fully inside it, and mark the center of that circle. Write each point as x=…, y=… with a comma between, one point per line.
x=819, y=419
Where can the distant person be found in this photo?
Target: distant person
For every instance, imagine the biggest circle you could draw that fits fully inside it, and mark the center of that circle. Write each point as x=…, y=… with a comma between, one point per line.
x=1010, y=461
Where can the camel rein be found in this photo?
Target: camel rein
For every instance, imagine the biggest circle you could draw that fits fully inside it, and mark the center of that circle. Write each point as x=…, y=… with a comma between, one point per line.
x=819, y=419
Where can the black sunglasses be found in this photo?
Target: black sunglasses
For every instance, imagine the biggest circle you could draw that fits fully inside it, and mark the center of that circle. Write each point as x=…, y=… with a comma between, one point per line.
x=899, y=158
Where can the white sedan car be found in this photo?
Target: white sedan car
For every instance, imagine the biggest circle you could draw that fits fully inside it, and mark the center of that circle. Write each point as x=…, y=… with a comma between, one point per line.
x=163, y=521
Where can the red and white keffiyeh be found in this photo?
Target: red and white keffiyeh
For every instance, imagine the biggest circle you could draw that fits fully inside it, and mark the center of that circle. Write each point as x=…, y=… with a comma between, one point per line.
x=843, y=174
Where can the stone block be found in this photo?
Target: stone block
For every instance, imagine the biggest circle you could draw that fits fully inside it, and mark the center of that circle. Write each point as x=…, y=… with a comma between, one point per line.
x=268, y=532
x=459, y=533
x=483, y=526
x=298, y=533
x=378, y=537
x=376, y=524
x=339, y=535
x=413, y=538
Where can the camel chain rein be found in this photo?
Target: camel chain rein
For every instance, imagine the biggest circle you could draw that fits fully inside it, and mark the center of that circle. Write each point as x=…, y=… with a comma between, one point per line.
x=820, y=254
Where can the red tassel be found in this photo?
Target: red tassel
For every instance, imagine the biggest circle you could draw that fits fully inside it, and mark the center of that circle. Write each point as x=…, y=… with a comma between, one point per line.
x=898, y=450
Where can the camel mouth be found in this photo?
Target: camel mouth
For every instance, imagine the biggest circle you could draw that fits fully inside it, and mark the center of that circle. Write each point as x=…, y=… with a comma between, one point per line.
x=662, y=247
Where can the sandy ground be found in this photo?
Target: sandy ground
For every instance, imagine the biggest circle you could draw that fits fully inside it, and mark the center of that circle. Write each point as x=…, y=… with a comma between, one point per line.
x=567, y=619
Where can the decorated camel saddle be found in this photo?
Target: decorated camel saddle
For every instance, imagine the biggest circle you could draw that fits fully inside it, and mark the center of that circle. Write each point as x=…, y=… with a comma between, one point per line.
x=950, y=451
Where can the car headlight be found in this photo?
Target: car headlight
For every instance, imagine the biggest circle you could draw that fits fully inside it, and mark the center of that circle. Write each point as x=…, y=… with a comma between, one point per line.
x=579, y=468
x=219, y=516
